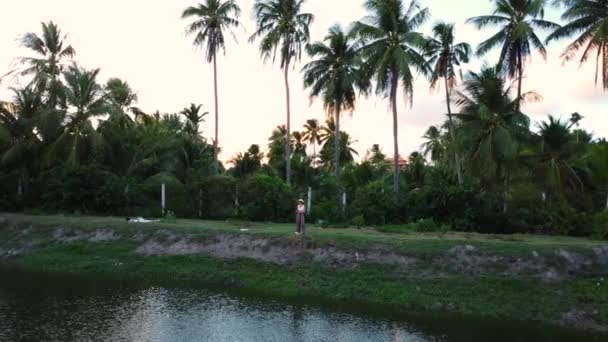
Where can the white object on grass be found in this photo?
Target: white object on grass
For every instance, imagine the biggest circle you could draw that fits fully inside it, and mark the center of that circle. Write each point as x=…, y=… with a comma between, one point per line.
x=140, y=220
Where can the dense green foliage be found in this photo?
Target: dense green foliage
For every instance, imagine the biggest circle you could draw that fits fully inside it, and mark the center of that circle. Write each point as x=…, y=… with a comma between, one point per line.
x=69, y=143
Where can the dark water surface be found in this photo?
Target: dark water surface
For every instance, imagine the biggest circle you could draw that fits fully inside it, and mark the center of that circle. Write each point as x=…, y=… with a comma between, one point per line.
x=57, y=308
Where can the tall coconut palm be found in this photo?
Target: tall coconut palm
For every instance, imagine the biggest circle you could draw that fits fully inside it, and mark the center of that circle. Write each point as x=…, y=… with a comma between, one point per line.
x=312, y=135
x=85, y=98
x=211, y=19
x=392, y=50
x=445, y=57
x=588, y=19
x=52, y=51
x=518, y=20
x=194, y=118
x=281, y=25
x=335, y=75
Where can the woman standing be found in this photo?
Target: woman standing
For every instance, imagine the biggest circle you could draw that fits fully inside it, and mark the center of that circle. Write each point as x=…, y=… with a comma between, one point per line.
x=300, y=211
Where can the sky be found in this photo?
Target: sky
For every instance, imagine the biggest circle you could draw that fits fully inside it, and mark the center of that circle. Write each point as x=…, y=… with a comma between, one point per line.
x=144, y=43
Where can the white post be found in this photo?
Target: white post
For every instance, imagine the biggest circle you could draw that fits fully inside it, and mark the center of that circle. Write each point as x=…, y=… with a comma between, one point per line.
x=343, y=200
x=309, y=199
x=162, y=197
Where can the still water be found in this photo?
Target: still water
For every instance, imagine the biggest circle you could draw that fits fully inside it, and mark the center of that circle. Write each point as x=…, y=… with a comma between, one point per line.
x=51, y=308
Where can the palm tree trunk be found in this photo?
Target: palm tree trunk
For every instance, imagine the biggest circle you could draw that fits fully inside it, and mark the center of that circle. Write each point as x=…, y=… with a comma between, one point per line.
x=393, y=98
x=288, y=126
x=337, y=153
x=452, y=134
x=215, y=142
x=520, y=67
x=337, y=144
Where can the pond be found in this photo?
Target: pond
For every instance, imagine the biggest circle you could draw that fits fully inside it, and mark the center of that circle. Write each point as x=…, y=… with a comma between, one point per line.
x=35, y=307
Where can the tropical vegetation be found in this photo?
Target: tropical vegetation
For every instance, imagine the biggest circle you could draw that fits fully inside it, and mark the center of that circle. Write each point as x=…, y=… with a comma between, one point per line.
x=72, y=142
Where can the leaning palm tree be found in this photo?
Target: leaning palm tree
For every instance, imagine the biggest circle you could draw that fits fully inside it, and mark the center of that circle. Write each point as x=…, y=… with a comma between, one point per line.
x=194, y=118
x=392, y=50
x=211, y=19
x=445, y=56
x=335, y=76
x=52, y=51
x=588, y=19
x=518, y=20
x=312, y=135
x=282, y=26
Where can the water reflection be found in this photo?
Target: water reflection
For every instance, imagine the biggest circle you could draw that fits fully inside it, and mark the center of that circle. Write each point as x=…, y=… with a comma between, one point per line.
x=69, y=310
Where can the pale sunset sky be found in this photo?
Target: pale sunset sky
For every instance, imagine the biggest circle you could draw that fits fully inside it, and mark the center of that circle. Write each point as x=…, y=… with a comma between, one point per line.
x=144, y=43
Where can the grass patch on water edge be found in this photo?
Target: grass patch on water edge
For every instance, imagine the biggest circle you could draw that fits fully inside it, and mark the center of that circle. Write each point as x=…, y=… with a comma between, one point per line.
x=494, y=296
x=488, y=296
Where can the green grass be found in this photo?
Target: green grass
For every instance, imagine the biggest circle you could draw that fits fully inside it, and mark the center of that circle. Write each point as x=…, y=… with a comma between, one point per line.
x=409, y=243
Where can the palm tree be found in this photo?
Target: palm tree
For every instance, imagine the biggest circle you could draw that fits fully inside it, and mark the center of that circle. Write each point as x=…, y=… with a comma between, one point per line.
x=194, y=117
x=445, y=56
x=335, y=75
x=391, y=47
x=120, y=95
x=52, y=50
x=328, y=131
x=518, y=21
x=282, y=26
x=299, y=145
x=211, y=19
x=558, y=151
x=85, y=96
x=589, y=18
x=434, y=145
x=347, y=152
x=312, y=135
x=491, y=127
x=19, y=122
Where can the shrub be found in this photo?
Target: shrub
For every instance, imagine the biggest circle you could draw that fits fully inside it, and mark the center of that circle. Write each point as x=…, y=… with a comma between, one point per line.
x=326, y=211
x=218, y=194
x=373, y=203
x=266, y=198
x=87, y=189
x=358, y=221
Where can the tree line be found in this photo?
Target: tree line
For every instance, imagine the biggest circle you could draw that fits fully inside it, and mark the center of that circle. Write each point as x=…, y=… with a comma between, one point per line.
x=487, y=145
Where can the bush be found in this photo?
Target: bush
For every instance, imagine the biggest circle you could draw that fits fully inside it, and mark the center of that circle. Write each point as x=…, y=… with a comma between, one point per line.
x=358, y=221
x=218, y=194
x=266, y=198
x=326, y=211
x=86, y=189
x=373, y=203
x=599, y=225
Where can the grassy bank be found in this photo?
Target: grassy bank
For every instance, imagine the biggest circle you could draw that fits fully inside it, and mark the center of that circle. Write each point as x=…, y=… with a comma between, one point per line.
x=424, y=286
